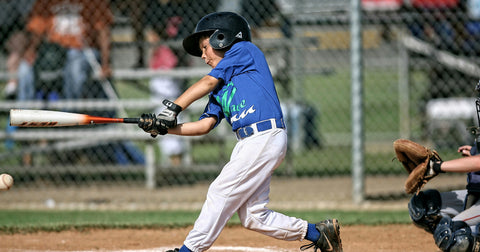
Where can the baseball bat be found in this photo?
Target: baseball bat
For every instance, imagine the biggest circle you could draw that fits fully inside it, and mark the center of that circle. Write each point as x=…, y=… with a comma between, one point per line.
x=49, y=118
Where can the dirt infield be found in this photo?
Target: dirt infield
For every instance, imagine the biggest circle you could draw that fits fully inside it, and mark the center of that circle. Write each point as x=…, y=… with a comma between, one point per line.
x=387, y=238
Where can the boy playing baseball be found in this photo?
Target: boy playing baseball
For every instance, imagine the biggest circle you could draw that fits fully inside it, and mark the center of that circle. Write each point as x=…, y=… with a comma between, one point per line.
x=241, y=91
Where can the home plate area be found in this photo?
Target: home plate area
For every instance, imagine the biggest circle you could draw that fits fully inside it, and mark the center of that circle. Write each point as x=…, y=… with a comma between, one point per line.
x=224, y=249
x=162, y=249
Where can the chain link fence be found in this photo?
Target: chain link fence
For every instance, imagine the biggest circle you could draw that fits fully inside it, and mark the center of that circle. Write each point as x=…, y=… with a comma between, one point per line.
x=121, y=58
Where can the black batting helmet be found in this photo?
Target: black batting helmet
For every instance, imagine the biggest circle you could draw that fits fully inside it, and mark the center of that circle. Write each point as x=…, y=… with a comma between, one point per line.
x=225, y=28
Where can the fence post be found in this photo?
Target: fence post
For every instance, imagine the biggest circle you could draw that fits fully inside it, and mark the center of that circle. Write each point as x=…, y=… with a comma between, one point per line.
x=357, y=102
x=149, y=165
x=403, y=92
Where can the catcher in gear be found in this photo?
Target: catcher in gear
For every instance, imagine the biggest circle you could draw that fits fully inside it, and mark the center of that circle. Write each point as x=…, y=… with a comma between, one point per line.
x=453, y=217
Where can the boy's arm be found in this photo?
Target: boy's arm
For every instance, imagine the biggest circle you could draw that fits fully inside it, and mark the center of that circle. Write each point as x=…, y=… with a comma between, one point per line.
x=462, y=165
x=198, y=90
x=196, y=128
x=168, y=117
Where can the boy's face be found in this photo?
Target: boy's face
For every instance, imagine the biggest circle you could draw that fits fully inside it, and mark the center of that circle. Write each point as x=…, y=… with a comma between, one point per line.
x=210, y=55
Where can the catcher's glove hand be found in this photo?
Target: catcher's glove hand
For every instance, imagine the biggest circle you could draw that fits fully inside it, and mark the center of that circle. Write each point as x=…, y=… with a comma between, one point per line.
x=421, y=163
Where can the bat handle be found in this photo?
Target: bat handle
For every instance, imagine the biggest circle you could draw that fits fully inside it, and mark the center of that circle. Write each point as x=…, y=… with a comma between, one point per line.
x=131, y=120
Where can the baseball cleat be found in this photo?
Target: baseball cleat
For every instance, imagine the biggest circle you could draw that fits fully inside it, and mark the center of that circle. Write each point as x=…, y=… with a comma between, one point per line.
x=329, y=240
x=174, y=250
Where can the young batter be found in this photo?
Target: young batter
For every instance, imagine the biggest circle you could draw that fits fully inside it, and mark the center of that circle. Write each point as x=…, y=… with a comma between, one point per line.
x=453, y=217
x=241, y=91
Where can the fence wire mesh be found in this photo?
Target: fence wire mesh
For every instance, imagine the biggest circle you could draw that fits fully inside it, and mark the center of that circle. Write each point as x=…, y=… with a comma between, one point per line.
x=121, y=58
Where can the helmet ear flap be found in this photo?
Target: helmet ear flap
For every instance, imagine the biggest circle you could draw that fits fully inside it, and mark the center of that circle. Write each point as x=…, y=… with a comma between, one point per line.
x=219, y=40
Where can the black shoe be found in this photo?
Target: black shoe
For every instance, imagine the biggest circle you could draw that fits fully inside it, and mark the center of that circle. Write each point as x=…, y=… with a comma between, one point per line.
x=174, y=250
x=329, y=240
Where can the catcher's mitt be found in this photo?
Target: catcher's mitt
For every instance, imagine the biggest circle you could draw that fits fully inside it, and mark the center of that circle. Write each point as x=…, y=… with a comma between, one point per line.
x=418, y=161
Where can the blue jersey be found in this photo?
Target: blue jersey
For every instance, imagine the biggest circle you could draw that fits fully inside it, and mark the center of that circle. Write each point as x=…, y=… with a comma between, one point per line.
x=246, y=93
x=473, y=178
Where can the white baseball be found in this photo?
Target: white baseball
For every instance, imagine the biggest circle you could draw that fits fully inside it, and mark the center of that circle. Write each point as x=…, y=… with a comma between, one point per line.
x=6, y=181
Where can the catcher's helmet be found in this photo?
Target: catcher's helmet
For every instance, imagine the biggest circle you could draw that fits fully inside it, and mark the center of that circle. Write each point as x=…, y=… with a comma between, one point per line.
x=224, y=28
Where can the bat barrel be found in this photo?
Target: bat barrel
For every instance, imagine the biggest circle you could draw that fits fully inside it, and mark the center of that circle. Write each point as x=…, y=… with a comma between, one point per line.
x=44, y=118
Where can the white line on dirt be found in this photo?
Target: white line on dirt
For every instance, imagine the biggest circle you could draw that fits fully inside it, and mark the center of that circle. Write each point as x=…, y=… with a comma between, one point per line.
x=215, y=248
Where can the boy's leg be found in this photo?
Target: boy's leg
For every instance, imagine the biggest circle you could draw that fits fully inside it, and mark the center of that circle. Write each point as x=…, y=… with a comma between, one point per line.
x=256, y=216
x=453, y=202
x=253, y=160
x=470, y=216
x=454, y=236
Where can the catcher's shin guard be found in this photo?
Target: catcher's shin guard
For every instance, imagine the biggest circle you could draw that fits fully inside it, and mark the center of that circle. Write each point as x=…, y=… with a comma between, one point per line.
x=329, y=240
x=424, y=209
x=454, y=236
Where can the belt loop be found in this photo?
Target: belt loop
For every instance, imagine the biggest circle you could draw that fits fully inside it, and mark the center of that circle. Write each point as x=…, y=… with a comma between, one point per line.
x=280, y=123
x=254, y=128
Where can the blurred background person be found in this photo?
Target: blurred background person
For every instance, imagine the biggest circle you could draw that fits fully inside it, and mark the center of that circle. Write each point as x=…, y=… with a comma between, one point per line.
x=13, y=16
x=65, y=33
x=68, y=42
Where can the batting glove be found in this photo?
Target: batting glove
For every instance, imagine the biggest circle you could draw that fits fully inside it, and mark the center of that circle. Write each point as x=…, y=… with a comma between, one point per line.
x=150, y=124
x=168, y=117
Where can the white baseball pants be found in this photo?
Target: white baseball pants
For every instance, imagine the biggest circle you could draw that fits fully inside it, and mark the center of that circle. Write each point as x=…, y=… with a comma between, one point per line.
x=243, y=186
x=453, y=204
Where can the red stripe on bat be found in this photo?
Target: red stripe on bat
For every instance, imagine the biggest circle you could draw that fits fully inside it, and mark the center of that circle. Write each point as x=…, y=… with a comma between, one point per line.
x=98, y=119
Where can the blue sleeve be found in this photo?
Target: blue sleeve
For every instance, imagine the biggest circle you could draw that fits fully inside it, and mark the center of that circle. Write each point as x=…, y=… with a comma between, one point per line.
x=213, y=109
x=474, y=151
x=237, y=60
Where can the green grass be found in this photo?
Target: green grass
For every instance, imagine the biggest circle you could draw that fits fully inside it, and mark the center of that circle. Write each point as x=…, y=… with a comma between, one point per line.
x=25, y=221
x=331, y=96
